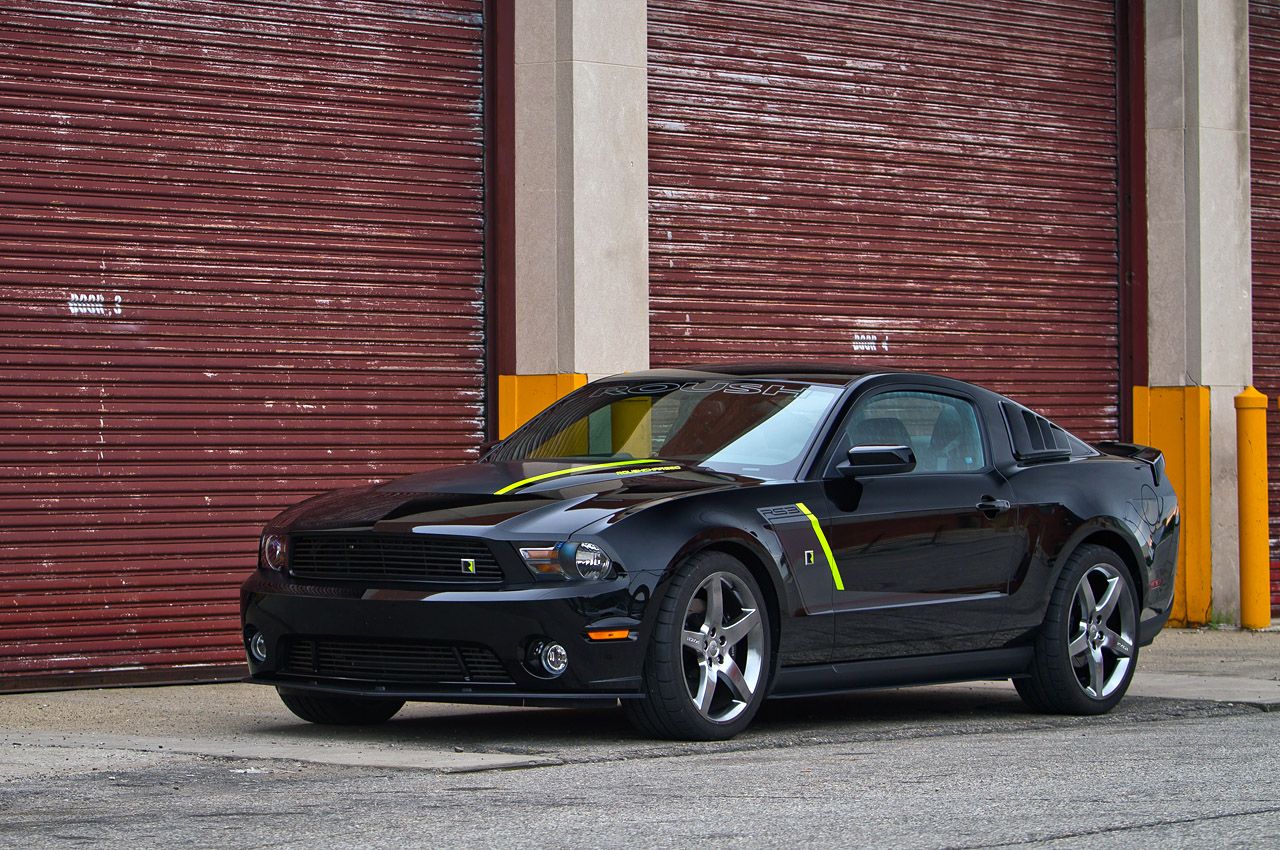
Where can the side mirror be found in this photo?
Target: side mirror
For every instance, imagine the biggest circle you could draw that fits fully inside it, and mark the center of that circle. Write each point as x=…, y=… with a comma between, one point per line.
x=877, y=460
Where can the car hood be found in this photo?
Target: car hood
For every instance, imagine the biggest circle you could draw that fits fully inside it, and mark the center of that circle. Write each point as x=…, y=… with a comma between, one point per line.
x=510, y=500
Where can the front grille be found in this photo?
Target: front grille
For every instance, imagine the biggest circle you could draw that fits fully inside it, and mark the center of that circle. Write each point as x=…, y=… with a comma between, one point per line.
x=393, y=661
x=393, y=557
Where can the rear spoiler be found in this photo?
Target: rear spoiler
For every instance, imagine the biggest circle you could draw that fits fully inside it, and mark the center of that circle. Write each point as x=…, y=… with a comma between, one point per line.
x=1144, y=454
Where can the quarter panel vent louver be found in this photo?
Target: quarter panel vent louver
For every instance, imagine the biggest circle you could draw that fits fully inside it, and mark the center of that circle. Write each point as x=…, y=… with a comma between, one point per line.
x=1035, y=439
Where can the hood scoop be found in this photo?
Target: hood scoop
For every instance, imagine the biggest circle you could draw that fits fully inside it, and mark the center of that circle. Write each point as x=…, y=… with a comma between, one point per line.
x=456, y=505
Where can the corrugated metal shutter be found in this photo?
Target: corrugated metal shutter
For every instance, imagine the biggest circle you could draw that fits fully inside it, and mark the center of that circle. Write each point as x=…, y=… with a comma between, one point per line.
x=1264, y=158
x=928, y=184
x=242, y=263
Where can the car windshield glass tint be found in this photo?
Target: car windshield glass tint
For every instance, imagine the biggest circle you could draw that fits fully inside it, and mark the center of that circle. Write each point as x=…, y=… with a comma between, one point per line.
x=758, y=428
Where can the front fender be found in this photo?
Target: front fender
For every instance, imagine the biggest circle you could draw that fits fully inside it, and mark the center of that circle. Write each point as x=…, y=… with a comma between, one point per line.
x=762, y=554
x=654, y=543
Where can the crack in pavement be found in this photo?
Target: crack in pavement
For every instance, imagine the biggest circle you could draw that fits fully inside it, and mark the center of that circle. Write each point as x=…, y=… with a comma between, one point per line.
x=1028, y=842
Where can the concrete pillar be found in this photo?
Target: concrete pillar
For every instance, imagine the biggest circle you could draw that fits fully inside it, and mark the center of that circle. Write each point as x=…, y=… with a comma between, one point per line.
x=581, y=183
x=1199, y=312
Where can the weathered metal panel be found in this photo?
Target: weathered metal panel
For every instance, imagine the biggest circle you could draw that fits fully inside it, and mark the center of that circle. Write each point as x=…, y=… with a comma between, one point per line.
x=928, y=184
x=1264, y=159
x=241, y=250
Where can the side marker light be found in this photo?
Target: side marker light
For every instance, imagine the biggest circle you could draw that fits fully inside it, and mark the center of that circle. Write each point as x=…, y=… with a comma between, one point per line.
x=609, y=634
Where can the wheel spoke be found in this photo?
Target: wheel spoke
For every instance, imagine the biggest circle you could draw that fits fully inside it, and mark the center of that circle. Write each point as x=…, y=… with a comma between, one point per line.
x=1110, y=597
x=1080, y=644
x=733, y=675
x=1095, y=671
x=706, y=691
x=692, y=639
x=1117, y=643
x=715, y=603
x=1088, y=603
x=735, y=632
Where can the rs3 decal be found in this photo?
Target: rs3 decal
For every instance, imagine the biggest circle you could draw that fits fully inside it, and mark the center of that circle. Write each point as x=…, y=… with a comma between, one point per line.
x=781, y=513
x=799, y=512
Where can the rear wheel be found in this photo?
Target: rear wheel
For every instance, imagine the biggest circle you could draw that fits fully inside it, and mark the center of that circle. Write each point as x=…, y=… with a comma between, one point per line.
x=708, y=664
x=1087, y=649
x=339, y=710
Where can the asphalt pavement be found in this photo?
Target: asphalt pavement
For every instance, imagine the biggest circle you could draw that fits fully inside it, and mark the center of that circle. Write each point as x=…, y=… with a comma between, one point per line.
x=1190, y=758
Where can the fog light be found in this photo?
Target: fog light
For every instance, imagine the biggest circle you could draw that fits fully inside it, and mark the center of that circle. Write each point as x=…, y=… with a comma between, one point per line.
x=555, y=658
x=258, y=647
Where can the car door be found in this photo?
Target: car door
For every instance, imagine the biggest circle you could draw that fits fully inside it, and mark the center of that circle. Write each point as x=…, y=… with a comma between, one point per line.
x=924, y=557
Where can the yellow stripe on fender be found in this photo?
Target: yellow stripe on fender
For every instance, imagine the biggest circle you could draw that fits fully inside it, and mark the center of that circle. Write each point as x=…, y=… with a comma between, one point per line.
x=572, y=471
x=826, y=547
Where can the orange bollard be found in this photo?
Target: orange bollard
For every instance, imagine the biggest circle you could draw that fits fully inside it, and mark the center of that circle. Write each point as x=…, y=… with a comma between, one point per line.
x=1251, y=477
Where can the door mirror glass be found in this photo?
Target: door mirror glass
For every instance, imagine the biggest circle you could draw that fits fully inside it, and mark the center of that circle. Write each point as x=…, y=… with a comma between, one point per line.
x=877, y=460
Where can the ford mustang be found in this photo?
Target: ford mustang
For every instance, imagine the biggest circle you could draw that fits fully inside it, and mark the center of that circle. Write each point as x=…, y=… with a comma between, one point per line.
x=691, y=542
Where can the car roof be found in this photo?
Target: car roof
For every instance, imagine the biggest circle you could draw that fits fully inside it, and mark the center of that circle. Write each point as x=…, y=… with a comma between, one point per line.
x=794, y=370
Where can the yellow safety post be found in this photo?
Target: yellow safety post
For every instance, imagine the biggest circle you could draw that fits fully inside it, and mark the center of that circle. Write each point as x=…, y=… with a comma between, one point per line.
x=1176, y=421
x=1251, y=474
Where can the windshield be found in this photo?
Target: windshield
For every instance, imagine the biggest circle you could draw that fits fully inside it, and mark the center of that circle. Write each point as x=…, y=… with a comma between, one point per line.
x=758, y=428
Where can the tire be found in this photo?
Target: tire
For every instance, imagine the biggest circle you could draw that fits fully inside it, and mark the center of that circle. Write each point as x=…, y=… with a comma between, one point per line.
x=1087, y=648
x=337, y=710
x=705, y=674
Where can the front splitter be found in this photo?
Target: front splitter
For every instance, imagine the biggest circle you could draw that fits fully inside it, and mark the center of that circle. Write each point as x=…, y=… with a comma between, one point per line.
x=479, y=696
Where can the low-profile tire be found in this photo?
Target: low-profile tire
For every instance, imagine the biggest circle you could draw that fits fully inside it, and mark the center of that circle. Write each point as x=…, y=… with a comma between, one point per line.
x=339, y=710
x=1087, y=648
x=708, y=663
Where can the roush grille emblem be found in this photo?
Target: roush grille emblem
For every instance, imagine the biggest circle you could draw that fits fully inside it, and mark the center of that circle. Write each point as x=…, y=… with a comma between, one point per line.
x=469, y=565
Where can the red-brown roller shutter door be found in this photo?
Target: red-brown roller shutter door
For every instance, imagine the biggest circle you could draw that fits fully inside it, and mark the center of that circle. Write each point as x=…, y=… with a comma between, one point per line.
x=928, y=184
x=1264, y=158
x=241, y=257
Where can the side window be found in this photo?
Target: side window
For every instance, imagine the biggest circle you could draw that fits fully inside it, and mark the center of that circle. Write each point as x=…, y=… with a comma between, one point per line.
x=942, y=430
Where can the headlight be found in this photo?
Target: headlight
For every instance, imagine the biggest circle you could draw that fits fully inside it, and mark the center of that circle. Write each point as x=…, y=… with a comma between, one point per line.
x=568, y=560
x=591, y=562
x=275, y=552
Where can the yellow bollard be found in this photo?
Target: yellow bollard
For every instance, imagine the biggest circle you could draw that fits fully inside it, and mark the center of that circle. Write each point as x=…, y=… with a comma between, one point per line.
x=1251, y=474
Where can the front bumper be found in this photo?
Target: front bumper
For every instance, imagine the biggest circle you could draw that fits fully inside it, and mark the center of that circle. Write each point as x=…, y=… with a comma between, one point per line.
x=499, y=627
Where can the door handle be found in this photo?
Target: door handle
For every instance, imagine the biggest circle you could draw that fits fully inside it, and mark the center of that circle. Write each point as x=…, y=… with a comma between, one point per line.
x=991, y=507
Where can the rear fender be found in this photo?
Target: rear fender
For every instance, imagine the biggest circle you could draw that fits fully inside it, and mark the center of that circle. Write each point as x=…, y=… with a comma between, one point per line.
x=1119, y=536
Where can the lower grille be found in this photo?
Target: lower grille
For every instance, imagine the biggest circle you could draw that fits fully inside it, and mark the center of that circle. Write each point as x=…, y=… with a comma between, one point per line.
x=366, y=556
x=393, y=661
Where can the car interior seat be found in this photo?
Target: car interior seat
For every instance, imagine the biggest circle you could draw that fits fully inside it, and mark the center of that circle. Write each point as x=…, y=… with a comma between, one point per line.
x=952, y=447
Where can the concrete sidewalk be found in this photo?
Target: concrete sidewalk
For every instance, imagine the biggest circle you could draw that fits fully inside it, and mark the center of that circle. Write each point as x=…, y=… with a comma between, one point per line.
x=1218, y=665
x=1183, y=672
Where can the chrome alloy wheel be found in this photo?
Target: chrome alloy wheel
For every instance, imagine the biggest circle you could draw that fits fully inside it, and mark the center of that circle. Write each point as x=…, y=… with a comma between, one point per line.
x=722, y=647
x=1102, y=627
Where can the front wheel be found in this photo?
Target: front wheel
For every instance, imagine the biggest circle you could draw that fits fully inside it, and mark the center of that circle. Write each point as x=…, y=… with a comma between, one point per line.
x=1087, y=649
x=339, y=710
x=708, y=664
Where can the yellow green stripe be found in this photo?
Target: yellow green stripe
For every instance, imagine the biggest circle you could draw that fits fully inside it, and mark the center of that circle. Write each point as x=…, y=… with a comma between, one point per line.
x=572, y=471
x=826, y=547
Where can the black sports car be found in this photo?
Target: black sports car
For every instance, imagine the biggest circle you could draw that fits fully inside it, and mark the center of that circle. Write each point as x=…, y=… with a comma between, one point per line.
x=690, y=542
